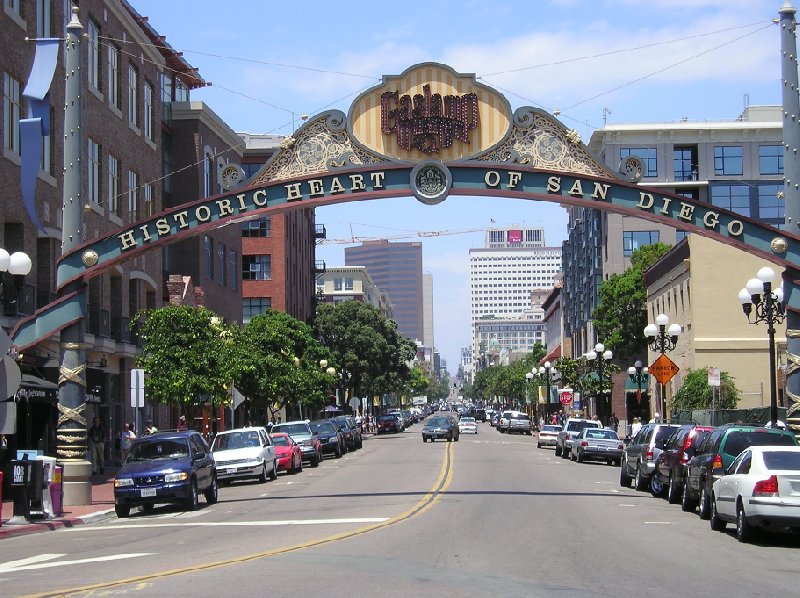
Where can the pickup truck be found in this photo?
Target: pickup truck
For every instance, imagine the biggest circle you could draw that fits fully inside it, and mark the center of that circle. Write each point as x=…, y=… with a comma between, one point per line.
x=572, y=428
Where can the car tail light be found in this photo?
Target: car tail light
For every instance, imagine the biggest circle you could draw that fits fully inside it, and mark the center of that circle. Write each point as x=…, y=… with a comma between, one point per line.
x=585, y=443
x=717, y=463
x=649, y=455
x=621, y=446
x=768, y=487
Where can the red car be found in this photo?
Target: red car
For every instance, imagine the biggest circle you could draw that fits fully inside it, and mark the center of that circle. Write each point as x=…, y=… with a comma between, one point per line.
x=290, y=459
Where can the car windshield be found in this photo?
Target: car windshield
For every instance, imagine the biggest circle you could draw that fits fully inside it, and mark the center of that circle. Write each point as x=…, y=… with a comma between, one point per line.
x=522, y=416
x=159, y=450
x=738, y=441
x=439, y=422
x=782, y=460
x=235, y=440
x=280, y=440
x=292, y=428
x=387, y=418
x=602, y=434
x=323, y=428
x=467, y=420
x=551, y=429
x=578, y=426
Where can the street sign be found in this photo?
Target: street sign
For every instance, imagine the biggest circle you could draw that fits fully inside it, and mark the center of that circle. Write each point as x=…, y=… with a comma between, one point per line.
x=713, y=377
x=663, y=369
x=137, y=388
x=565, y=395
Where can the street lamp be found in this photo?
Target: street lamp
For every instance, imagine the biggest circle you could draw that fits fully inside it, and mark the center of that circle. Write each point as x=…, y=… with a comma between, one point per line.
x=638, y=374
x=769, y=309
x=599, y=355
x=661, y=338
x=13, y=270
x=547, y=372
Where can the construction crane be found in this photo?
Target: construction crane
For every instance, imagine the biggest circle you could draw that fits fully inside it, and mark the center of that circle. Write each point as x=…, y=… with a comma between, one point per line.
x=410, y=235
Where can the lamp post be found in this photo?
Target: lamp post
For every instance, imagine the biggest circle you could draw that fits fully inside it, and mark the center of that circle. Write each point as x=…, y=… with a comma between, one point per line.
x=769, y=309
x=529, y=377
x=599, y=355
x=547, y=372
x=13, y=270
x=637, y=374
x=662, y=337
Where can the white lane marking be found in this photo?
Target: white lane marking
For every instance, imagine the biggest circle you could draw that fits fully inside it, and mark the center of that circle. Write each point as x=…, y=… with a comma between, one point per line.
x=604, y=482
x=658, y=523
x=31, y=564
x=235, y=523
x=626, y=505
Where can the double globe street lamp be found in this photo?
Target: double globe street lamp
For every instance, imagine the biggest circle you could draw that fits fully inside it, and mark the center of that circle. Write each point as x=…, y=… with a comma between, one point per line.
x=662, y=337
x=599, y=355
x=13, y=270
x=638, y=375
x=769, y=308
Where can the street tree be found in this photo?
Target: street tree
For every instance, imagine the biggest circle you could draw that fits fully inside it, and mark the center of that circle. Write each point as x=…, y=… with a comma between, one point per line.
x=185, y=355
x=695, y=392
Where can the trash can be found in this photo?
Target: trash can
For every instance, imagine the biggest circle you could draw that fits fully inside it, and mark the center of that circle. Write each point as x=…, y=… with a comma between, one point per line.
x=57, y=491
x=49, y=467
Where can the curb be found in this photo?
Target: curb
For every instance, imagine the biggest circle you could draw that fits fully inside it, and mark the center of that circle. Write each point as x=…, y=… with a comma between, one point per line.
x=8, y=531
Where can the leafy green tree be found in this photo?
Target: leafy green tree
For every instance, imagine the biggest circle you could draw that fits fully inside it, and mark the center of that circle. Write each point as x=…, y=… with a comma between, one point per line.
x=621, y=315
x=185, y=355
x=278, y=364
x=695, y=393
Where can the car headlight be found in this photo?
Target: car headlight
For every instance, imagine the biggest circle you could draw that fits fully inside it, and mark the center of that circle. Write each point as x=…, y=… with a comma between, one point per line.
x=181, y=476
x=307, y=442
x=122, y=482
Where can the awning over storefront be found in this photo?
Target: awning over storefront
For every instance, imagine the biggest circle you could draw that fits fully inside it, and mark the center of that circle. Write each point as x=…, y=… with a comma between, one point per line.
x=33, y=388
x=632, y=385
x=551, y=356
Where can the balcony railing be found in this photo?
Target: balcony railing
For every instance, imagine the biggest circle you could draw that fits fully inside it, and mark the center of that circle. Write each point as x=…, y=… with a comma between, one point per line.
x=99, y=322
x=319, y=267
x=120, y=330
x=320, y=232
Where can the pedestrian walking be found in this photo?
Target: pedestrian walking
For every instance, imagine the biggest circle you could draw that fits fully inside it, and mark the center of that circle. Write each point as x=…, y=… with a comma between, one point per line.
x=149, y=428
x=182, y=426
x=126, y=438
x=97, y=445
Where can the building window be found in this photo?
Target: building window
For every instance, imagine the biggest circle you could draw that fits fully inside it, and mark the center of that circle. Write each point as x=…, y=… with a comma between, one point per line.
x=12, y=109
x=348, y=284
x=634, y=239
x=233, y=269
x=256, y=267
x=166, y=97
x=181, y=91
x=255, y=306
x=256, y=228
x=208, y=175
x=14, y=6
x=93, y=190
x=133, y=95
x=680, y=235
x=47, y=149
x=93, y=71
x=220, y=268
x=770, y=205
x=684, y=163
x=113, y=185
x=147, y=191
x=43, y=18
x=728, y=160
x=113, y=76
x=133, y=196
x=732, y=197
x=770, y=159
x=147, y=116
x=647, y=155
x=208, y=252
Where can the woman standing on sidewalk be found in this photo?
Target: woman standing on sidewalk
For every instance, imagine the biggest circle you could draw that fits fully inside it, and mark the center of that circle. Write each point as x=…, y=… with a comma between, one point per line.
x=126, y=438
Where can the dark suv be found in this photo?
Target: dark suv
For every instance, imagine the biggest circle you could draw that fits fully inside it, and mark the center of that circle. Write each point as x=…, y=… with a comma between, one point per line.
x=717, y=452
x=166, y=467
x=639, y=457
x=671, y=463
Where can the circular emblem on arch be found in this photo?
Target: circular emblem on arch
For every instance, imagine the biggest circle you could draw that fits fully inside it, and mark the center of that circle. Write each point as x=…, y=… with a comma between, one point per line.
x=90, y=258
x=431, y=181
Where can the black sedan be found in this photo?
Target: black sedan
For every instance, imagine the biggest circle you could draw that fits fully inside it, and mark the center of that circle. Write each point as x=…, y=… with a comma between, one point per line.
x=331, y=439
x=386, y=424
x=444, y=427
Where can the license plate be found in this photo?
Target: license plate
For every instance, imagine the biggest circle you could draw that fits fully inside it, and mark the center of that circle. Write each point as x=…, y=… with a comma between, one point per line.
x=230, y=470
x=148, y=492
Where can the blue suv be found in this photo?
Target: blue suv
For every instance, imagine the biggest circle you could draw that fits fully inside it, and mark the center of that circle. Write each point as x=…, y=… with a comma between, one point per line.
x=167, y=467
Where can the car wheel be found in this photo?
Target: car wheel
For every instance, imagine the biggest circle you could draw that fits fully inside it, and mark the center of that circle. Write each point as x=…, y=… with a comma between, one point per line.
x=338, y=452
x=538, y=445
x=565, y=453
x=424, y=439
x=558, y=451
x=656, y=486
x=673, y=492
x=580, y=457
x=263, y=476
x=744, y=532
x=624, y=478
x=572, y=456
x=273, y=473
x=640, y=482
x=717, y=524
x=211, y=493
x=315, y=461
x=687, y=504
x=122, y=511
x=148, y=508
x=457, y=437
x=192, y=501
x=450, y=438
x=705, y=503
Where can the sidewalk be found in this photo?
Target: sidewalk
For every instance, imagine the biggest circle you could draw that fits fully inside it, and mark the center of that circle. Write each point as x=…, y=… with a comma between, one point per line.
x=102, y=507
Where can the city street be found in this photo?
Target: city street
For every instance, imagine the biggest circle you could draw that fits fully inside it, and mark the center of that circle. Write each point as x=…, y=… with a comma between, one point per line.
x=488, y=515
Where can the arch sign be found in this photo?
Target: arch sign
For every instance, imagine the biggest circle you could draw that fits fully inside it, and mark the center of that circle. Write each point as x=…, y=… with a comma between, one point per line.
x=429, y=132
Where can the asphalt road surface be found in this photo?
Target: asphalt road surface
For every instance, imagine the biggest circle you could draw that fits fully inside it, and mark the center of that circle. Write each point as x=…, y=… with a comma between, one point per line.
x=490, y=515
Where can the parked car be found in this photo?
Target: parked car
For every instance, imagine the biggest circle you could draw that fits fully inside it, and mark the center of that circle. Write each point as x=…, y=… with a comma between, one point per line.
x=244, y=453
x=639, y=457
x=503, y=421
x=716, y=453
x=389, y=423
x=467, y=425
x=166, y=467
x=443, y=426
x=302, y=434
x=350, y=430
x=759, y=491
x=671, y=463
x=290, y=457
x=331, y=438
x=404, y=423
x=494, y=419
x=572, y=427
x=480, y=415
x=594, y=443
x=548, y=435
x=520, y=422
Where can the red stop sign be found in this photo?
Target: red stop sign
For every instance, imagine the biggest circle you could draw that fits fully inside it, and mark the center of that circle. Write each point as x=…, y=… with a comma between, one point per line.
x=565, y=396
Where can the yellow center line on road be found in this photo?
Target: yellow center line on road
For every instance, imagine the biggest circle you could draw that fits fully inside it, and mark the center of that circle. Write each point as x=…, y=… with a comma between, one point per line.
x=442, y=482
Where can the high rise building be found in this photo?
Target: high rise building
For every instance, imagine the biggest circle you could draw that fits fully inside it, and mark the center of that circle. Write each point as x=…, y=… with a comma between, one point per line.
x=427, y=309
x=351, y=283
x=397, y=270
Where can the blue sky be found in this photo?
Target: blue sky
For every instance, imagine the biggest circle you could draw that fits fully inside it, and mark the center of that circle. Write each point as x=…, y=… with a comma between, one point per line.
x=627, y=60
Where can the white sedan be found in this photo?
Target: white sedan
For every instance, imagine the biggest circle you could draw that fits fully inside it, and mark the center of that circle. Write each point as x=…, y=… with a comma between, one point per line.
x=467, y=425
x=759, y=491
